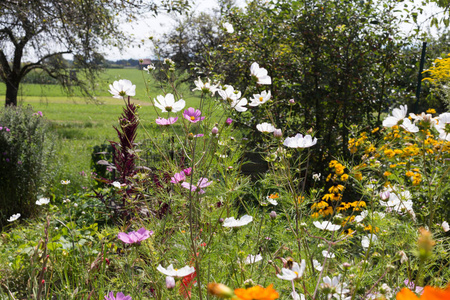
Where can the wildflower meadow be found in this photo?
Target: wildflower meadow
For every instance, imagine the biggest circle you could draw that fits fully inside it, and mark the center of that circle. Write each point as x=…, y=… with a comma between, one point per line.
x=199, y=221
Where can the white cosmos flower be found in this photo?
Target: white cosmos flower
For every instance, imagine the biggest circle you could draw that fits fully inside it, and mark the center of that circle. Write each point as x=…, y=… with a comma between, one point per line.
x=272, y=201
x=170, y=271
x=445, y=226
x=327, y=254
x=299, y=141
x=399, y=204
x=251, y=259
x=295, y=273
x=260, y=74
x=361, y=217
x=259, y=99
x=43, y=201
x=326, y=225
x=206, y=87
x=265, y=127
x=365, y=240
x=65, y=181
x=116, y=184
x=297, y=296
x=397, y=115
x=239, y=104
x=122, y=88
x=228, y=93
x=442, y=127
x=228, y=27
x=409, y=126
x=423, y=117
x=13, y=218
x=231, y=222
x=317, y=265
x=168, y=104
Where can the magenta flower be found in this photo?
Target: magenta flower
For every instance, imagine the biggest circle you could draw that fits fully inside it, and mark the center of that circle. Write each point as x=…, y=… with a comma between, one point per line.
x=134, y=236
x=229, y=121
x=166, y=122
x=193, y=115
x=119, y=296
x=178, y=177
x=187, y=171
x=199, y=135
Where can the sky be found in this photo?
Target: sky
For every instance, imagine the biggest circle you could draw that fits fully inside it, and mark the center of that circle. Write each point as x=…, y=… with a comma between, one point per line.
x=154, y=27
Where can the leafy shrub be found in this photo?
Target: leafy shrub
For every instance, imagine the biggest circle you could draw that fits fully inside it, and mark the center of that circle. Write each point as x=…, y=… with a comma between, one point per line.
x=26, y=149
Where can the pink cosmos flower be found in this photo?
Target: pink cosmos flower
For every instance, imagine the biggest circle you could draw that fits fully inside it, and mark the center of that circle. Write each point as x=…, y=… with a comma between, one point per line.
x=178, y=177
x=229, y=121
x=119, y=296
x=199, y=135
x=166, y=122
x=202, y=183
x=193, y=115
x=134, y=236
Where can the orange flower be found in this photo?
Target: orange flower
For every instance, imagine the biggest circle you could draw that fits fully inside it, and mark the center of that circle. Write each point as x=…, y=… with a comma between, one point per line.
x=429, y=293
x=256, y=293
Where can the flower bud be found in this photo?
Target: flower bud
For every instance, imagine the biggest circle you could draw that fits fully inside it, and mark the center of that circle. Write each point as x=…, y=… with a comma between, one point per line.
x=221, y=220
x=215, y=130
x=346, y=265
x=220, y=290
x=292, y=101
x=278, y=133
x=273, y=214
x=385, y=195
x=229, y=121
x=190, y=136
x=170, y=282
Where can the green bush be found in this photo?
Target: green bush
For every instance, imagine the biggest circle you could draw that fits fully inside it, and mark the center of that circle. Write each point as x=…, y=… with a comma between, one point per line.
x=26, y=148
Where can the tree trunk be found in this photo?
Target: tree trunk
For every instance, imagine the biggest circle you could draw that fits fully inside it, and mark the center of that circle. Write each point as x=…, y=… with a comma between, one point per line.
x=12, y=89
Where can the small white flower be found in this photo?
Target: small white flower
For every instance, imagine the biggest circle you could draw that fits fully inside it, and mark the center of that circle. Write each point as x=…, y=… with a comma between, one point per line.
x=13, y=218
x=167, y=103
x=295, y=273
x=260, y=74
x=327, y=254
x=251, y=259
x=239, y=104
x=265, y=127
x=116, y=184
x=75, y=205
x=206, y=87
x=365, y=240
x=168, y=61
x=326, y=225
x=259, y=99
x=361, y=217
x=149, y=68
x=317, y=265
x=408, y=126
x=442, y=127
x=170, y=271
x=65, y=182
x=43, y=201
x=228, y=27
x=272, y=201
x=316, y=176
x=231, y=222
x=397, y=116
x=122, y=88
x=297, y=296
x=299, y=141
x=445, y=226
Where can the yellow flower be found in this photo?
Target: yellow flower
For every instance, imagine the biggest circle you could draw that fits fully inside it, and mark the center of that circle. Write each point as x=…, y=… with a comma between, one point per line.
x=256, y=293
x=344, y=177
x=339, y=169
x=358, y=176
x=336, y=188
x=389, y=153
x=332, y=197
x=375, y=129
x=431, y=111
x=386, y=174
x=332, y=163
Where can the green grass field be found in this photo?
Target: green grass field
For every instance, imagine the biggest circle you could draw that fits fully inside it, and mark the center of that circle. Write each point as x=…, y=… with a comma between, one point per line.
x=81, y=124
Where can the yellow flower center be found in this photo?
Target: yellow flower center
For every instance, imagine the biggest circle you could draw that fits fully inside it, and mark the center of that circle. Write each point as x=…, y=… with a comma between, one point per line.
x=192, y=118
x=261, y=99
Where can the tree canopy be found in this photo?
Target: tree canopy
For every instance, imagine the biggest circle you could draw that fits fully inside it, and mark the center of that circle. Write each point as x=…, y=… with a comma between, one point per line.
x=41, y=31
